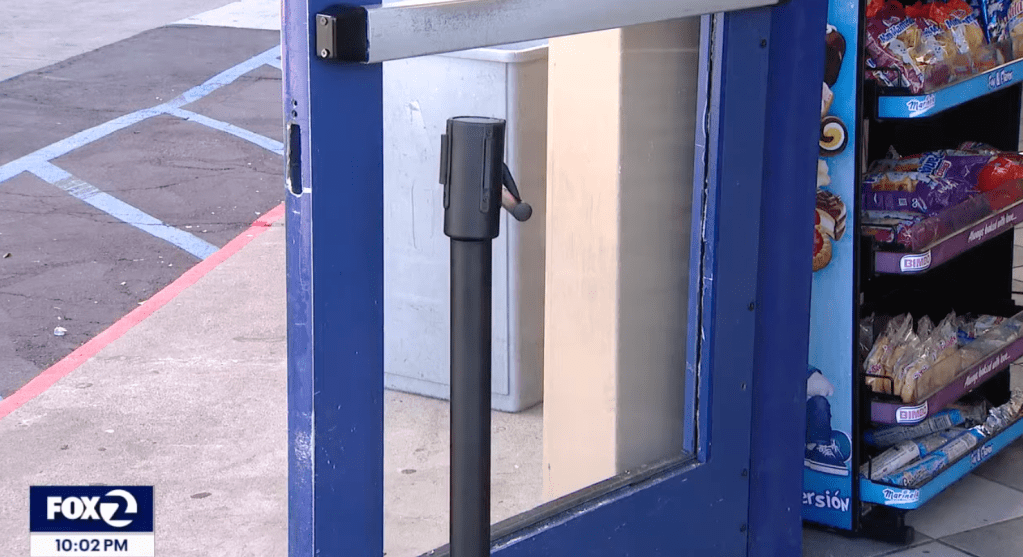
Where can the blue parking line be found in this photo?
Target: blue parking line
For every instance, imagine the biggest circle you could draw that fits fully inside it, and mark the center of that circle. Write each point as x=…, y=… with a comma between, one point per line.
x=65, y=146
x=122, y=211
x=225, y=77
x=271, y=145
x=35, y=159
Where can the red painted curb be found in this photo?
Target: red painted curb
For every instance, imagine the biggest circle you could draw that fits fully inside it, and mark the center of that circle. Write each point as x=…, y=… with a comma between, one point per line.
x=61, y=369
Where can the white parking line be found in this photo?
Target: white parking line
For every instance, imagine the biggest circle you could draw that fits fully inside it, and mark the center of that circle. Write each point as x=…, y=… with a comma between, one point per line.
x=122, y=211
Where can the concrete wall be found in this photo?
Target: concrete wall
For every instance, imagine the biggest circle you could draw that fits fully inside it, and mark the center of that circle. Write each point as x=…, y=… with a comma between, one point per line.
x=621, y=117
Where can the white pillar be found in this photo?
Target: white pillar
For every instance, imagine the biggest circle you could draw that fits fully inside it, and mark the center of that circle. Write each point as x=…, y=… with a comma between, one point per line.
x=621, y=117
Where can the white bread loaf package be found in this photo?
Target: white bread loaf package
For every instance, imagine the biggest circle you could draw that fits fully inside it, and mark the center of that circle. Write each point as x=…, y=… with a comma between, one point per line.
x=883, y=353
x=938, y=365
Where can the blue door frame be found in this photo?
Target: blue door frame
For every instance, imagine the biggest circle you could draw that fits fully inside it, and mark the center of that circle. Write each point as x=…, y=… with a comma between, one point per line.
x=740, y=494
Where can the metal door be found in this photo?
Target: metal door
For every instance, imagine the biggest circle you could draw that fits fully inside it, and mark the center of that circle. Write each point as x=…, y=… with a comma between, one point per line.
x=736, y=490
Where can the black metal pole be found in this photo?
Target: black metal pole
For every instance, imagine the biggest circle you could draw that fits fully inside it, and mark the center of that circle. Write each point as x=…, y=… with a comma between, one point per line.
x=472, y=166
x=470, y=398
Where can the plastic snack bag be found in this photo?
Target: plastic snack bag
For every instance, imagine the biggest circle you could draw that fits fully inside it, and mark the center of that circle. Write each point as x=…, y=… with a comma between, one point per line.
x=1000, y=417
x=916, y=192
x=905, y=453
x=891, y=37
x=996, y=19
x=912, y=356
x=924, y=327
x=882, y=351
x=929, y=466
x=957, y=16
x=887, y=77
x=937, y=49
x=937, y=364
x=913, y=361
x=943, y=362
x=906, y=342
x=978, y=147
x=1014, y=28
x=866, y=335
x=959, y=164
x=888, y=436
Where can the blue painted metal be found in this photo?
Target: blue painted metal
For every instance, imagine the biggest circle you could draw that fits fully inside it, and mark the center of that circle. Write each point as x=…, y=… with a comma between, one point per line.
x=784, y=277
x=927, y=105
x=701, y=286
x=335, y=300
x=702, y=507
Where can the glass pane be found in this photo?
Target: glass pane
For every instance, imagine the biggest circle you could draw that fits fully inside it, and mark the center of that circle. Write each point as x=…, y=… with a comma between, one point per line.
x=589, y=296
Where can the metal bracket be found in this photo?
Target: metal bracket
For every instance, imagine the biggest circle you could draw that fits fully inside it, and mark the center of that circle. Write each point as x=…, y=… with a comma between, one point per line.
x=341, y=33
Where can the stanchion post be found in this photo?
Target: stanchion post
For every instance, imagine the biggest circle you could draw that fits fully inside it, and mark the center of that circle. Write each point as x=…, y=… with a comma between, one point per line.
x=472, y=158
x=473, y=172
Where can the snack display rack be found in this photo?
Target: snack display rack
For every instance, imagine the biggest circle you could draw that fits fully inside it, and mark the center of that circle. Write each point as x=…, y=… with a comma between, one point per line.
x=925, y=105
x=887, y=412
x=913, y=498
x=959, y=264
x=950, y=247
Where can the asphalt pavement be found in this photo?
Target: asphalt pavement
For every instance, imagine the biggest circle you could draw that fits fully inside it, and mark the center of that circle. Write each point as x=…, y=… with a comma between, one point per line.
x=113, y=184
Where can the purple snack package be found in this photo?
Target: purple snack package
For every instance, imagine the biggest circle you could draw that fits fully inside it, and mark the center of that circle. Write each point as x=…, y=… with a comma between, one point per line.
x=912, y=192
x=945, y=164
x=978, y=147
x=962, y=166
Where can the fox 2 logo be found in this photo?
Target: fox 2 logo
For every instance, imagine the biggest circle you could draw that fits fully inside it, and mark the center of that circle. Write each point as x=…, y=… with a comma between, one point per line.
x=91, y=509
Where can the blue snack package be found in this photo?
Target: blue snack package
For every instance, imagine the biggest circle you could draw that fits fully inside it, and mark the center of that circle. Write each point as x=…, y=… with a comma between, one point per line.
x=996, y=19
x=979, y=9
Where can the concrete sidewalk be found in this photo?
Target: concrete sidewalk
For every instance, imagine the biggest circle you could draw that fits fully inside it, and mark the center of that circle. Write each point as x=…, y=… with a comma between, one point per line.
x=192, y=400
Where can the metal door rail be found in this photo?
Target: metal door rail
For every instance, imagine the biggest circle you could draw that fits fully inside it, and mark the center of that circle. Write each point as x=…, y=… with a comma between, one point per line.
x=378, y=33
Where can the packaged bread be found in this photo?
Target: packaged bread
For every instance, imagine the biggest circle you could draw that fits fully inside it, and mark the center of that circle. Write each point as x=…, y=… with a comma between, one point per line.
x=967, y=32
x=913, y=359
x=905, y=344
x=904, y=340
x=882, y=350
x=937, y=376
x=1014, y=28
x=924, y=327
x=937, y=50
x=891, y=37
x=994, y=338
x=942, y=346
